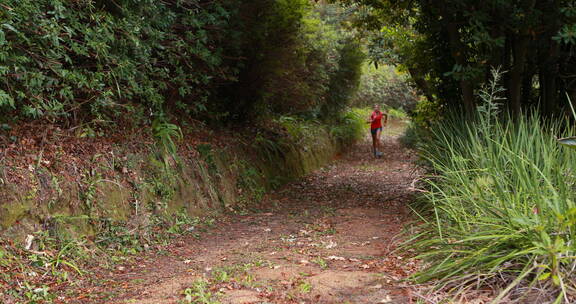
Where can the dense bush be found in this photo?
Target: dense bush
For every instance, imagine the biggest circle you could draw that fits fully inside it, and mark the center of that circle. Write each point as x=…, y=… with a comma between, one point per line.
x=349, y=126
x=298, y=61
x=385, y=86
x=426, y=113
x=92, y=59
x=345, y=80
x=82, y=61
x=503, y=201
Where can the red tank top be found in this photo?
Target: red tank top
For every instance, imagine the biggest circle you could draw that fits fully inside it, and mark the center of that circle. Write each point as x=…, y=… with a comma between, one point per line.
x=376, y=118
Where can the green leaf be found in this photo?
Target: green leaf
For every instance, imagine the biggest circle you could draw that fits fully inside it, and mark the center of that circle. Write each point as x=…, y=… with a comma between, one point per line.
x=544, y=276
x=556, y=280
x=5, y=99
x=568, y=142
x=10, y=27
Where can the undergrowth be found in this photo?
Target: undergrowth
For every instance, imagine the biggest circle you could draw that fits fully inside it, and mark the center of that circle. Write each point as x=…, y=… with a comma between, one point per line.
x=349, y=127
x=38, y=273
x=503, y=211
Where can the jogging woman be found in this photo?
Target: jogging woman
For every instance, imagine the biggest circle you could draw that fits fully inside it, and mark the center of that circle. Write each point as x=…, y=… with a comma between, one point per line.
x=376, y=125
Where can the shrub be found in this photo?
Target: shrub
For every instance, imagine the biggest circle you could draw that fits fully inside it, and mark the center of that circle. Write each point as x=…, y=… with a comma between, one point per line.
x=350, y=127
x=411, y=136
x=345, y=79
x=385, y=86
x=87, y=59
x=298, y=62
x=426, y=114
x=503, y=204
x=397, y=113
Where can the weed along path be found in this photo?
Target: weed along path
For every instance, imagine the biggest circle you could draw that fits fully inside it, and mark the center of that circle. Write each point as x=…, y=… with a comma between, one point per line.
x=328, y=238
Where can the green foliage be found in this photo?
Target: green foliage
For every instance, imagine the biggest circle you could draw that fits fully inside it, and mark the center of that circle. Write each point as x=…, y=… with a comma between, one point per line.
x=115, y=236
x=34, y=295
x=65, y=59
x=449, y=47
x=93, y=62
x=298, y=129
x=411, y=136
x=165, y=133
x=503, y=203
x=385, y=85
x=426, y=114
x=350, y=126
x=199, y=293
x=305, y=286
x=345, y=80
x=396, y=113
x=299, y=60
x=207, y=155
x=120, y=238
x=250, y=181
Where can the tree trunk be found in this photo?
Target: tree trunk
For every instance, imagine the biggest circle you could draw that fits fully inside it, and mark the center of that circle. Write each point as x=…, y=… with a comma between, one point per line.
x=519, y=51
x=549, y=53
x=548, y=89
x=459, y=52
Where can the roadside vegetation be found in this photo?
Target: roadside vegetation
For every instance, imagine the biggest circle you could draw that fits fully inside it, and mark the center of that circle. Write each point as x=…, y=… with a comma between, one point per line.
x=101, y=95
x=502, y=205
x=499, y=199
x=49, y=268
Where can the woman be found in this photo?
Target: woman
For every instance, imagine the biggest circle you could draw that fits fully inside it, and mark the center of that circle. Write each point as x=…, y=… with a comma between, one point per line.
x=376, y=125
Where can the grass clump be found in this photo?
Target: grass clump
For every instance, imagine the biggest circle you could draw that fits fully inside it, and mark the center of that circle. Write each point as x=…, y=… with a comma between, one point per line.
x=503, y=206
x=349, y=127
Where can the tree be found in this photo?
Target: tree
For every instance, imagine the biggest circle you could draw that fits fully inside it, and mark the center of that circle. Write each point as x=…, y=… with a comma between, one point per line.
x=462, y=40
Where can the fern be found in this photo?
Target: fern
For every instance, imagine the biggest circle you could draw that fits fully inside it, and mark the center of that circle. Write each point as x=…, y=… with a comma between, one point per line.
x=165, y=134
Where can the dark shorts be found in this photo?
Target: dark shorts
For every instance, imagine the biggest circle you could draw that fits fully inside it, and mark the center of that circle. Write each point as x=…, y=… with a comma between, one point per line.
x=375, y=131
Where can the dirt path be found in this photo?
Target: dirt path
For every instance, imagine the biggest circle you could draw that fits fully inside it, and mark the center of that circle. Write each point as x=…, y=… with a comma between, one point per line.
x=325, y=239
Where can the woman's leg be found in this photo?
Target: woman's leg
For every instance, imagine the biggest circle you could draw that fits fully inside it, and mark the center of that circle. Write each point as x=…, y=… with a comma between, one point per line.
x=378, y=144
x=374, y=134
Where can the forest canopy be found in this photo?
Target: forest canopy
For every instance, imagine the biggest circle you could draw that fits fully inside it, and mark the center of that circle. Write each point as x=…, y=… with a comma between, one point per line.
x=450, y=46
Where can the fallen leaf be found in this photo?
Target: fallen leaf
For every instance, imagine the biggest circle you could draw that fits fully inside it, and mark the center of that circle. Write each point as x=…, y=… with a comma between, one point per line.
x=336, y=258
x=331, y=245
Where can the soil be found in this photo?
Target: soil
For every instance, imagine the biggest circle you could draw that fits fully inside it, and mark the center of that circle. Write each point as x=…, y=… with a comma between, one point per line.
x=330, y=237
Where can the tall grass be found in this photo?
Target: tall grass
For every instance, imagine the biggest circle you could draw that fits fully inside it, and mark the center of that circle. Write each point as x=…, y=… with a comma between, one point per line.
x=503, y=206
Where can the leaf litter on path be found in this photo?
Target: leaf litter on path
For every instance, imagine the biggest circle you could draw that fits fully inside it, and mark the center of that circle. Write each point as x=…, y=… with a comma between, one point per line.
x=324, y=239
